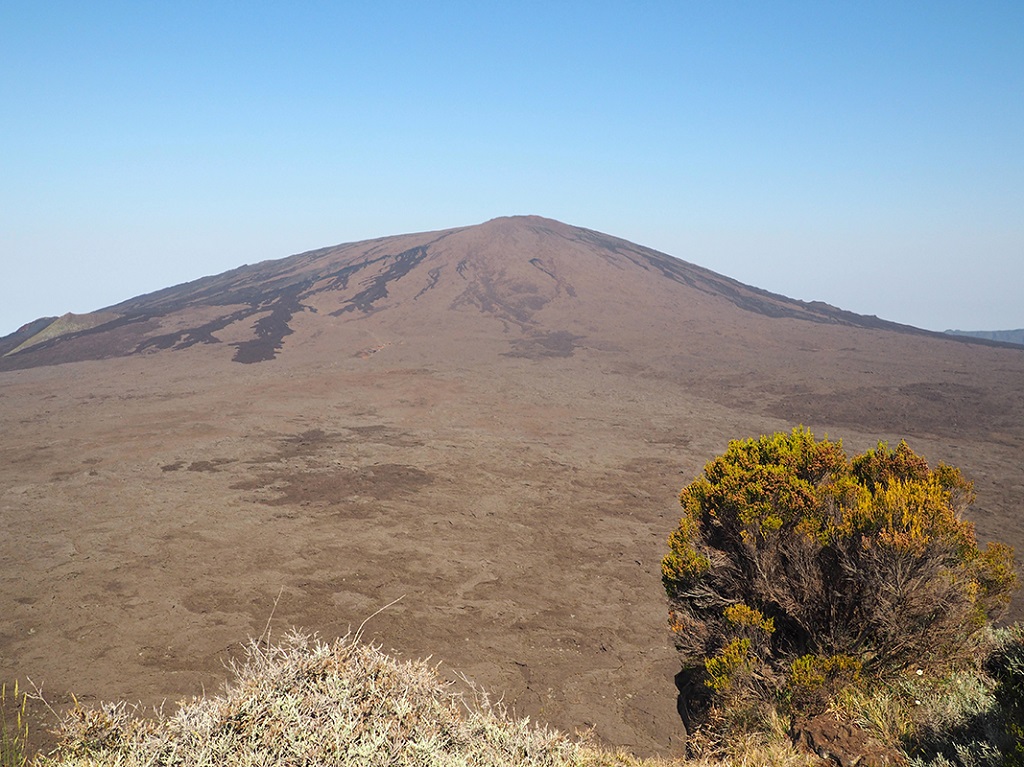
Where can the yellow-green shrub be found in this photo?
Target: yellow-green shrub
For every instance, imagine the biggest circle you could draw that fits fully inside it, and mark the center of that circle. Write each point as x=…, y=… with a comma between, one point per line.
x=851, y=567
x=813, y=679
x=724, y=667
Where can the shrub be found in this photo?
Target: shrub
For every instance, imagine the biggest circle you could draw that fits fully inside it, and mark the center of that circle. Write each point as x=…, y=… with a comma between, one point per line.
x=842, y=569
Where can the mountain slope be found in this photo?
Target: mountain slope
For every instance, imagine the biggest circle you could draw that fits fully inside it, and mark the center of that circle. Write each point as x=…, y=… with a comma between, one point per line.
x=508, y=270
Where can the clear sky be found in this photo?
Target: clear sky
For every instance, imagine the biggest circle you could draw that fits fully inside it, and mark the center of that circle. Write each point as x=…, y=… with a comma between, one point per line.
x=867, y=154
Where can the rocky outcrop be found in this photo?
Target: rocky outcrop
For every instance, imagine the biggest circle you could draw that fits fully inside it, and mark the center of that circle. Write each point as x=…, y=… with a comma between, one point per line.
x=843, y=743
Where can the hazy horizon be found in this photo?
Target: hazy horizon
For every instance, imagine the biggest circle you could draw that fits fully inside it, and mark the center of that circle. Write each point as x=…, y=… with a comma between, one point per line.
x=869, y=156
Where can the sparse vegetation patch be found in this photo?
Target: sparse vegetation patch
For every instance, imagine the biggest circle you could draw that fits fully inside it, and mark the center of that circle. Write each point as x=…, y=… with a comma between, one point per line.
x=13, y=727
x=306, y=702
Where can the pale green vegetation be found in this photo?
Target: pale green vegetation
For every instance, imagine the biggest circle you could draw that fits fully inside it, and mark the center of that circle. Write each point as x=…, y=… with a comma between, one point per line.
x=967, y=716
x=69, y=323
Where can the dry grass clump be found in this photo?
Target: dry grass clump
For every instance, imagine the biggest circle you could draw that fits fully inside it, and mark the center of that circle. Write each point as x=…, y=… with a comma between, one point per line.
x=754, y=736
x=306, y=702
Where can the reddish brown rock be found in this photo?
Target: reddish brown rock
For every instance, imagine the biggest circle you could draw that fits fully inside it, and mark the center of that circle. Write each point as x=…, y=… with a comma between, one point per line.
x=843, y=743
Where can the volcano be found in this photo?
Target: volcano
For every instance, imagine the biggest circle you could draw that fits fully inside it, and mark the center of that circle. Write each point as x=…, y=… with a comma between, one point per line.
x=489, y=423
x=545, y=286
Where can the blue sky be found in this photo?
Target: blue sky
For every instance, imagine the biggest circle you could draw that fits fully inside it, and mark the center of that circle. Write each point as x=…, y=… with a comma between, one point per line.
x=870, y=155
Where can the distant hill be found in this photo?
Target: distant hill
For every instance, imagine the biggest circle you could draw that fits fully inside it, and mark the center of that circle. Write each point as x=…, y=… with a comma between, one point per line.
x=1003, y=336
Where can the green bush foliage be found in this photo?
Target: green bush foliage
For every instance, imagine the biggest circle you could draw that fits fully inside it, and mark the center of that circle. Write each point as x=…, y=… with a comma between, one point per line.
x=795, y=569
